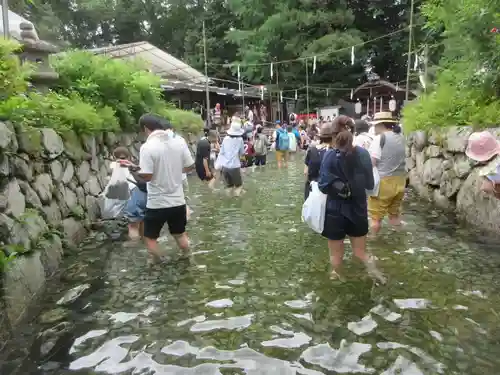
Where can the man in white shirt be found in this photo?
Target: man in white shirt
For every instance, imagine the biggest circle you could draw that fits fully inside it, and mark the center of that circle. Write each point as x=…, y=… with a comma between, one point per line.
x=164, y=157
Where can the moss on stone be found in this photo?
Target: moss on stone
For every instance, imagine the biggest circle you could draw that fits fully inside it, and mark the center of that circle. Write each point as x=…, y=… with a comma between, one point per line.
x=30, y=140
x=73, y=146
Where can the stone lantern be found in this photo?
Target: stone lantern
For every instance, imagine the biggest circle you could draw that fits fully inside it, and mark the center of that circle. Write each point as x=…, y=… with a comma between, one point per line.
x=36, y=52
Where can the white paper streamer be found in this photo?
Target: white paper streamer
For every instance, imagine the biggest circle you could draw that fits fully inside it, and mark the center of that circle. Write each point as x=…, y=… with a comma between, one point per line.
x=281, y=96
x=261, y=92
x=327, y=92
x=352, y=93
x=296, y=96
x=239, y=75
x=415, y=65
x=271, y=70
x=352, y=55
x=314, y=64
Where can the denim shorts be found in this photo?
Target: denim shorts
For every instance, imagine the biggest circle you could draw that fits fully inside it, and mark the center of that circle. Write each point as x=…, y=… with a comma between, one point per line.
x=136, y=206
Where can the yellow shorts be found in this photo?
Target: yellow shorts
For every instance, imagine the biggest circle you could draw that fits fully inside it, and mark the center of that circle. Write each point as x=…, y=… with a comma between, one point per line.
x=281, y=155
x=389, y=199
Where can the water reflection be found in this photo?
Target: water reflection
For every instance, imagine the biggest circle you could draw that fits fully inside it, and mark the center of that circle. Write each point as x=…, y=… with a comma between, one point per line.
x=258, y=299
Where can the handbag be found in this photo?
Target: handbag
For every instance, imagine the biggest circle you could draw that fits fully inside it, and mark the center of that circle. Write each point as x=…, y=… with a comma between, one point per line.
x=313, y=209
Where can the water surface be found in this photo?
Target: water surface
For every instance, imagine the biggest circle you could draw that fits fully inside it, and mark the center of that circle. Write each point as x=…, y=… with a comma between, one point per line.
x=258, y=300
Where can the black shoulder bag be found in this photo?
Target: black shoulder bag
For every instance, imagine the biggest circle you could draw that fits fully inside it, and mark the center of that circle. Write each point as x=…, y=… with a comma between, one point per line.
x=342, y=187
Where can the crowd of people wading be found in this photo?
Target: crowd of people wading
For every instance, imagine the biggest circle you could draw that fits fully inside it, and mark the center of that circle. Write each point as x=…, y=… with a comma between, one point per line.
x=354, y=171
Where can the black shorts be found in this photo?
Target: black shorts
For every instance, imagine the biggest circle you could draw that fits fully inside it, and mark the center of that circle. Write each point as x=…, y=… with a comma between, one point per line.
x=155, y=219
x=260, y=159
x=337, y=227
x=232, y=176
x=200, y=171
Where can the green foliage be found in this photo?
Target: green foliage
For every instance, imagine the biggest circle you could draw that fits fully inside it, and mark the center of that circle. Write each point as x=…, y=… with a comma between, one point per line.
x=184, y=121
x=53, y=110
x=467, y=86
x=249, y=32
x=447, y=106
x=125, y=86
x=12, y=75
x=95, y=94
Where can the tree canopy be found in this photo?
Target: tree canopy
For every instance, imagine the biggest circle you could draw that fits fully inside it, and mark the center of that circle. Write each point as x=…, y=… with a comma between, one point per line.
x=462, y=53
x=246, y=32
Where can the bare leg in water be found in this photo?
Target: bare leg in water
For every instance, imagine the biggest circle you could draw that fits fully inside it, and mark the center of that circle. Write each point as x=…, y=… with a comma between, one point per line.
x=359, y=250
x=336, y=257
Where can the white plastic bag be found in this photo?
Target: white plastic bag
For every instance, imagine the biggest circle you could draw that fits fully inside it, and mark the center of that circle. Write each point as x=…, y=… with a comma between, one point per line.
x=118, y=186
x=376, y=184
x=112, y=208
x=313, y=210
x=218, y=163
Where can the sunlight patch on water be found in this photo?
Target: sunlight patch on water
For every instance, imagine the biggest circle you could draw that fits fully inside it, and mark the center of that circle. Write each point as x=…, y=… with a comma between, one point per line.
x=344, y=360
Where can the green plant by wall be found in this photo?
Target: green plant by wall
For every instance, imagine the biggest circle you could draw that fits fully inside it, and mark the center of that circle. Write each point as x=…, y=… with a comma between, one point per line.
x=94, y=94
x=126, y=86
x=53, y=110
x=13, y=75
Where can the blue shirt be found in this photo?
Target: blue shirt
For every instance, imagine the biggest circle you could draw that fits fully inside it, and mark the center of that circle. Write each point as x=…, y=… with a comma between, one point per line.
x=230, y=151
x=333, y=167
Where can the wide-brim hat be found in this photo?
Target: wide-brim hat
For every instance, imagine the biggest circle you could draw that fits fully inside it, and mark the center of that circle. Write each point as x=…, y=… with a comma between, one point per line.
x=482, y=146
x=235, y=129
x=383, y=118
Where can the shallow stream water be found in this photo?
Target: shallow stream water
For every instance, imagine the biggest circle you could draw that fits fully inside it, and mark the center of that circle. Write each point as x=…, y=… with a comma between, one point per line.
x=258, y=300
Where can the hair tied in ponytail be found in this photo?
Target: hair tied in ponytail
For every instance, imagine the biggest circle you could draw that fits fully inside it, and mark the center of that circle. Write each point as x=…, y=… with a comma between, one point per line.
x=343, y=141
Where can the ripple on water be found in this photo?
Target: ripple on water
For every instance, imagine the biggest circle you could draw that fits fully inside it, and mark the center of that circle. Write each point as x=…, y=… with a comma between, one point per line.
x=89, y=335
x=403, y=366
x=363, y=327
x=385, y=313
x=233, y=323
x=412, y=303
x=109, y=358
x=344, y=360
x=123, y=317
x=298, y=304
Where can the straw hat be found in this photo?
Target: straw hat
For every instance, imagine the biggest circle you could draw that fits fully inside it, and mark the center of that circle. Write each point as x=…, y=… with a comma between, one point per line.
x=482, y=146
x=236, y=129
x=383, y=117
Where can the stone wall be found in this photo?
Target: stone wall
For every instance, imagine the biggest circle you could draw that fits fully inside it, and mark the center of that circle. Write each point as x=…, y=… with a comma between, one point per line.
x=49, y=188
x=440, y=171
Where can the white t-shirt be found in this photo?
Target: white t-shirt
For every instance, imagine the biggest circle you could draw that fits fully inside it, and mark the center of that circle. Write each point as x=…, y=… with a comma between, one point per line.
x=165, y=155
x=130, y=178
x=250, y=116
x=363, y=140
